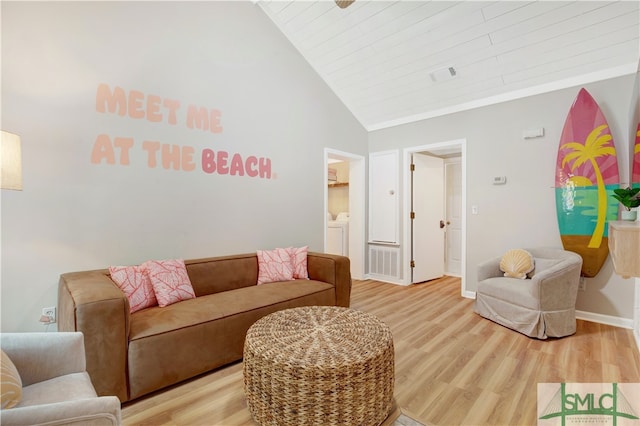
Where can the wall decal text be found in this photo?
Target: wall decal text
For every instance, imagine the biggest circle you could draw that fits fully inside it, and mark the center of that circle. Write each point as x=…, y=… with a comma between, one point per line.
x=137, y=105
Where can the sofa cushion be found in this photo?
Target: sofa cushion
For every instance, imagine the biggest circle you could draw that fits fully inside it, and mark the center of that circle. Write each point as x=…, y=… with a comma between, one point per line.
x=136, y=285
x=540, y=264
x=514, y=290
x=274, y=265
x=214, y=275
x=69, y=387
x=11, y=384
x=170, y=281
x=202, y=309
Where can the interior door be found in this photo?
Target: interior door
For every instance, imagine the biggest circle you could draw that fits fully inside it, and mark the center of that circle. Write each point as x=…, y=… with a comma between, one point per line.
x=427, y=229
x=453, y=229
x=383, y=197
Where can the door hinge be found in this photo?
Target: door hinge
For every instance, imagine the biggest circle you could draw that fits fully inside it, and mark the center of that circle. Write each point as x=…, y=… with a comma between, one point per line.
x=413, y=264
x=413, y=215
x=412, y=167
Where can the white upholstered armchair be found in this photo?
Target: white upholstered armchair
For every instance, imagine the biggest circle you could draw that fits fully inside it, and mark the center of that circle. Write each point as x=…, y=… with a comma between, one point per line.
x=540, y=306
x=55, y=387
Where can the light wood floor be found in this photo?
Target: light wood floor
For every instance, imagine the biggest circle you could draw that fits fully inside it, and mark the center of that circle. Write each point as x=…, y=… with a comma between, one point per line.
x=452, y=366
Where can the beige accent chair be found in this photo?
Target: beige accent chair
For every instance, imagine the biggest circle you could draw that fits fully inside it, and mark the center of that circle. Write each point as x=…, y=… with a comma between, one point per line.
x=541, y=306
x=56, y=387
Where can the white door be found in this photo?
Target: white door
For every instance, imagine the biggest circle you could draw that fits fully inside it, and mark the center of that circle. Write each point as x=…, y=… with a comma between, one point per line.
x=453, y=229
x=427, y=187
x=383, y=197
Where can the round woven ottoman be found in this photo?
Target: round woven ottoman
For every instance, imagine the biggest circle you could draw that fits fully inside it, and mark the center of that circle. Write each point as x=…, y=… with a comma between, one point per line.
x=319, y=365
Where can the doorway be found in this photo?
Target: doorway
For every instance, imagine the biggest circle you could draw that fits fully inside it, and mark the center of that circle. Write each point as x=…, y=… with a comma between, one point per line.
x=453, y=155
x=427, y=217
x=351, y=183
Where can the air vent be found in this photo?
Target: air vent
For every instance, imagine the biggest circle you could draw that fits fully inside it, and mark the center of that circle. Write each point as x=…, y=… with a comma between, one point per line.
x=443, y=74
x=384, y=262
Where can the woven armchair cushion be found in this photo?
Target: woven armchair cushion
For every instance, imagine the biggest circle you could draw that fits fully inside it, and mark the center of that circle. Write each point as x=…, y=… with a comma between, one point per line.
x=11, y=386
x=517, y=263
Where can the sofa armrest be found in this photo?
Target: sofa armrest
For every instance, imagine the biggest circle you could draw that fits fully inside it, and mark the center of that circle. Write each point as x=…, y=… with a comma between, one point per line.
x=91, y=303
x=489, y=269
x=92, y=411
x=43, y=356
x=332, y=269
x=558, y=285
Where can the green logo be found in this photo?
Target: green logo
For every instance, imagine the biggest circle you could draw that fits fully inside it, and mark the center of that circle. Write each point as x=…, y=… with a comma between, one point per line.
x=585, y=401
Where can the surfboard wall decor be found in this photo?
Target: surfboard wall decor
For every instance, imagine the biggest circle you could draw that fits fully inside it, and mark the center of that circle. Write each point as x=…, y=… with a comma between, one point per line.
x=635, y=174
x=586, y=175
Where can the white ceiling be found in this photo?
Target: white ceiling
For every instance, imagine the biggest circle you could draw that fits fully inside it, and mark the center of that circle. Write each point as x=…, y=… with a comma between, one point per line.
x=377, y=56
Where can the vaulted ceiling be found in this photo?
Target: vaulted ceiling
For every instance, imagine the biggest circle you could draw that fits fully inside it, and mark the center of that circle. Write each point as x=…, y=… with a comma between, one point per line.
x=381, y=57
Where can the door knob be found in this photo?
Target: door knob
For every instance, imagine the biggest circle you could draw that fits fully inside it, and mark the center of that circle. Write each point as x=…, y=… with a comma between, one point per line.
x=441, y=224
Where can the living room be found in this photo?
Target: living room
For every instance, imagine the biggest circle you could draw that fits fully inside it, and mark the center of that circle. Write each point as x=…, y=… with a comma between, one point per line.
x=108, y=181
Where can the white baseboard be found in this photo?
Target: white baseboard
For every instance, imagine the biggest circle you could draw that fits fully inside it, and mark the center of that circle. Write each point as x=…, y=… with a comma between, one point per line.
x=605, y=319
x=385, y=279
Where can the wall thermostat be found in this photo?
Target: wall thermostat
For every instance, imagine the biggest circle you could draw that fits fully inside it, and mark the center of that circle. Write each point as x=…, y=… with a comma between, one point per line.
x=533, y=133
x=499, y=180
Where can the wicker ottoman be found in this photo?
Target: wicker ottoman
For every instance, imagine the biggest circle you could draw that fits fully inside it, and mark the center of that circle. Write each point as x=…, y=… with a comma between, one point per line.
x=319, y=365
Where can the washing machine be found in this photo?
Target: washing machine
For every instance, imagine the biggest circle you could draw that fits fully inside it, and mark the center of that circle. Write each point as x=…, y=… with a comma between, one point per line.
x=338, y=235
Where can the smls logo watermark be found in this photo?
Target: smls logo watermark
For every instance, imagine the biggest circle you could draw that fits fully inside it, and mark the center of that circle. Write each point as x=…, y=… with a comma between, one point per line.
x=616, y=404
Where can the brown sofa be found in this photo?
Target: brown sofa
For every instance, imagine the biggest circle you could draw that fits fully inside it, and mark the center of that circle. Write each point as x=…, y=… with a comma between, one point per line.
x=130, y=355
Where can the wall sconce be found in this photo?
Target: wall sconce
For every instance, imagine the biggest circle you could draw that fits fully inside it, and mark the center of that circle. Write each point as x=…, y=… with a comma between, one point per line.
x=10, y=162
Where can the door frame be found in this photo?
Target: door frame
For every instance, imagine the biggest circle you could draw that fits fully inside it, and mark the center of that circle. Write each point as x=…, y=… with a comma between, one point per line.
x=357, y=207
x=456, y=145
x=447, y=165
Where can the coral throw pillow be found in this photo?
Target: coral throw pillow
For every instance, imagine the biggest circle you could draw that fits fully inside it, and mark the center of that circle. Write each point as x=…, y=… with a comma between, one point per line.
x=299, y=262
x=170, y=281
x=274, y=265
x=516, y=263
x=11, y=387
x=135, y=284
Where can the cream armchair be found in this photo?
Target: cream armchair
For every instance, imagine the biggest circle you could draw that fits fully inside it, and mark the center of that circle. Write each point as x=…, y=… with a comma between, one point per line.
x=541, y=306
x=56, y=389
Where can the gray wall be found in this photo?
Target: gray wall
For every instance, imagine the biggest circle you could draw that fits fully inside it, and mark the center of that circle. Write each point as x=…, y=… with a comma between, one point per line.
x=75, y=214
x=522, y=212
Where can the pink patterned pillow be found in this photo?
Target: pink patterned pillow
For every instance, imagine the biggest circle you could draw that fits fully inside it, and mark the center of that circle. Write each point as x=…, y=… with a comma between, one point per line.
x=274, y=265
x=299, y=262
x=169, y=280
x=135, y=284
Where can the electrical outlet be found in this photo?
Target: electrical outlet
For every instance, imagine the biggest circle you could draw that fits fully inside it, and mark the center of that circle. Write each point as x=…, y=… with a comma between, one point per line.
x=51, y=313
x=583, y=284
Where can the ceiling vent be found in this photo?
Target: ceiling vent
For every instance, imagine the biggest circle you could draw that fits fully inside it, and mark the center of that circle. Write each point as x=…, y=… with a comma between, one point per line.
x=443, y=74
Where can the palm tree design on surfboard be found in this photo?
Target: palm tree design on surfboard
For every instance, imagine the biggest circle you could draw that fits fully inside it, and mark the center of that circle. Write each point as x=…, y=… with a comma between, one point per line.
x=586, y=175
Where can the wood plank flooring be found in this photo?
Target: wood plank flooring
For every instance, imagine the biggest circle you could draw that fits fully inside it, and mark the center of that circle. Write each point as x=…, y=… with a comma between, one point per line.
x=453, y=367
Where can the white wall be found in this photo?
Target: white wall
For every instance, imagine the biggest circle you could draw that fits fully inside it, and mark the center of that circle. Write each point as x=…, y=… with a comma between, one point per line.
x=522, y=212
x=74, y=214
